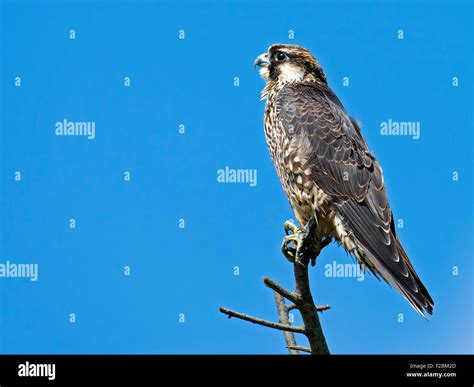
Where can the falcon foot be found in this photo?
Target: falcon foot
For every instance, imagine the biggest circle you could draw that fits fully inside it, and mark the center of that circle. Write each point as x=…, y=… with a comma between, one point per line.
x=302, y=245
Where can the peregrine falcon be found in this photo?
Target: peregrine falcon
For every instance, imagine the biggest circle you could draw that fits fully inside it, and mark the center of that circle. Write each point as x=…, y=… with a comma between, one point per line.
x=330, y=177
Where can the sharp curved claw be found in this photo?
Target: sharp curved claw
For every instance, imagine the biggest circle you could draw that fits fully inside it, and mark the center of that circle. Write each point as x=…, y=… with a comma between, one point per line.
x=288, y=251
x=291, y=226
x=301, y=245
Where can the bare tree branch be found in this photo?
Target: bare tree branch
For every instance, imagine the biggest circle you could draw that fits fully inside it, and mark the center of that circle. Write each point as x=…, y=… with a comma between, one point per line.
x=259, y=321
x=293, y=297
x=300, y=348
x=308, y=248
x=283, y=318
x=322, y=308
x=308, y=310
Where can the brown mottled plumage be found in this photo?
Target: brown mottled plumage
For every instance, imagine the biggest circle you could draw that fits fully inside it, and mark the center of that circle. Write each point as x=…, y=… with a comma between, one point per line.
x=327, y=170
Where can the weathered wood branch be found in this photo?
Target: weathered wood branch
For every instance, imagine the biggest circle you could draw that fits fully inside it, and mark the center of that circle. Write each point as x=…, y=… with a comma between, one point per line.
x=300, y=348
x=309, y=311
x=292, y=296
x=284, y=319
x=301, y=298
x=259, y=321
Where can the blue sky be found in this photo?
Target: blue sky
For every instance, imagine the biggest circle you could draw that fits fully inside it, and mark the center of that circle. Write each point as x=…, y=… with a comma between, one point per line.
x=190, y=81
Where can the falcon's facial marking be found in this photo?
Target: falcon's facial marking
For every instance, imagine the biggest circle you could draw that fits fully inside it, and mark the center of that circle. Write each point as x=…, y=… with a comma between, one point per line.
x=264, y=73
x=290, y=72
x=284, y=63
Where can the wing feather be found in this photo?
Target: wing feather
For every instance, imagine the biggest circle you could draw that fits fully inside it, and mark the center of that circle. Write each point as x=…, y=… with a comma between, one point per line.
x=343, y=167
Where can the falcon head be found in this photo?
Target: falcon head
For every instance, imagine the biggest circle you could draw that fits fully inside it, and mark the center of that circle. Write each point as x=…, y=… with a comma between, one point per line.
x=284, y=63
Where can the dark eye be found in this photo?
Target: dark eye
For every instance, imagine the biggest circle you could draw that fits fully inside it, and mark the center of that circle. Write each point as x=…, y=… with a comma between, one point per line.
x=280, y=56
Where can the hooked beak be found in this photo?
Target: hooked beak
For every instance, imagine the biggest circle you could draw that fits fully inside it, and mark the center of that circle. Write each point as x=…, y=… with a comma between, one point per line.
x=261, y=61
